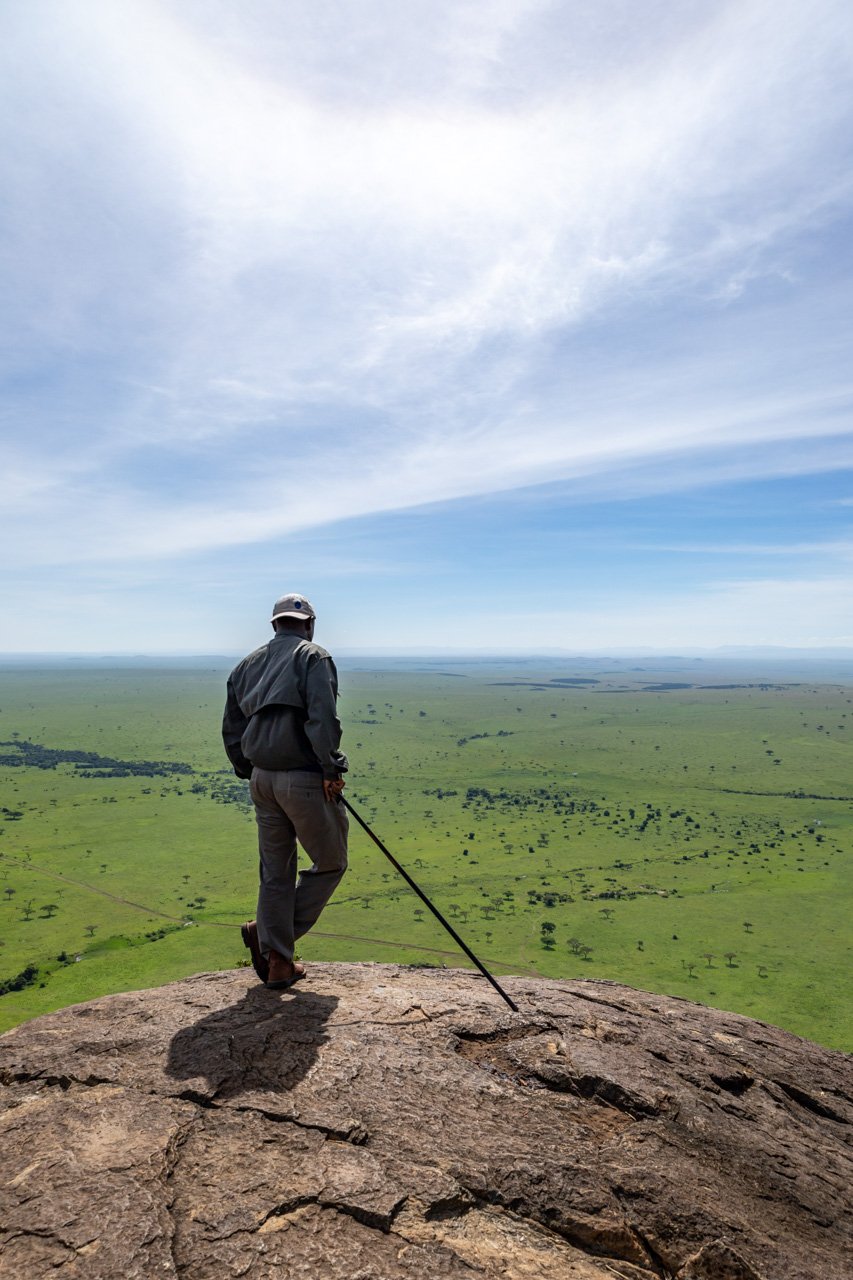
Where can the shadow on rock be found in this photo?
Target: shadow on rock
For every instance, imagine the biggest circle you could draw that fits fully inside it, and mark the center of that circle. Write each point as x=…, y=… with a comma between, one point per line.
x=266, y=1043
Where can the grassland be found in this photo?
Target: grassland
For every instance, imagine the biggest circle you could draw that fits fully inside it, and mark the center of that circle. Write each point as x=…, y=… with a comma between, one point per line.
x=573, y=821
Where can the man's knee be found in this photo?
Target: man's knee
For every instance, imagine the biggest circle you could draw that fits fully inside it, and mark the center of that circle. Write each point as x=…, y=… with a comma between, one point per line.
x=329, y=865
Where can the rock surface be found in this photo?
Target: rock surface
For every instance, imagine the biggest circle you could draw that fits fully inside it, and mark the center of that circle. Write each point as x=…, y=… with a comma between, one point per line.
x=379, y=1122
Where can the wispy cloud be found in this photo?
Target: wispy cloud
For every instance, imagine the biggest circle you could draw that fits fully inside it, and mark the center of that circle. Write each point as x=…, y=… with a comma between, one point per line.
x=273, y=267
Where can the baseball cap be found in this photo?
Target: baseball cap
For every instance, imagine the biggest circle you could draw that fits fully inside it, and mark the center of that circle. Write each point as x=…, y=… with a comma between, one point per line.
x=292, y=606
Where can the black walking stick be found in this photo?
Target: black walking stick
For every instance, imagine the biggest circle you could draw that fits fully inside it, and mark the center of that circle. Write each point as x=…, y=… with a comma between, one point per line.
x=435, y=911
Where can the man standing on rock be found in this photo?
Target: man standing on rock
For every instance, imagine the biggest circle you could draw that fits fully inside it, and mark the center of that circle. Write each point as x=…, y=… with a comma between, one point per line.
x=282, y=731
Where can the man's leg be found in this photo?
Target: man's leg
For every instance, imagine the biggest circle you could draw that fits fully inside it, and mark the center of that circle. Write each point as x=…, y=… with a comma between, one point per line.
x=321, y=827
x=277, y=848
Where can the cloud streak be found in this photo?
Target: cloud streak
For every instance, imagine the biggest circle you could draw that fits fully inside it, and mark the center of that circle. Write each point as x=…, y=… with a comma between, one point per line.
x=275, y=267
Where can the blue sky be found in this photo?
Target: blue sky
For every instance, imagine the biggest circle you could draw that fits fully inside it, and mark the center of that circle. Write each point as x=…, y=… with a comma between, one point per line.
x=490, y=326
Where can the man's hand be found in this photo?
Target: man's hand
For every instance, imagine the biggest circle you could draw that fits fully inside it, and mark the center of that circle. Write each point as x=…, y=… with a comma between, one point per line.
x=332, y=787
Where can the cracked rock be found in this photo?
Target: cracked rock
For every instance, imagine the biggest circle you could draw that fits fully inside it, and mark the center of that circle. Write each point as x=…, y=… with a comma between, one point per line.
x=379, y=1122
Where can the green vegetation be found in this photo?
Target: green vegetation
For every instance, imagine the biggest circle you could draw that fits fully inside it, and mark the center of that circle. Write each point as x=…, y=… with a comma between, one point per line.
x=683, y=838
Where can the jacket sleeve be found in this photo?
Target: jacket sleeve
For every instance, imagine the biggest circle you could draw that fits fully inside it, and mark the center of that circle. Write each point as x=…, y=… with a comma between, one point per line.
x=233, y=727
x=322, y=726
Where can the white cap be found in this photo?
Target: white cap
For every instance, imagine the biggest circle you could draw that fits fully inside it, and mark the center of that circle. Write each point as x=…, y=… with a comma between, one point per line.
x=292, y=606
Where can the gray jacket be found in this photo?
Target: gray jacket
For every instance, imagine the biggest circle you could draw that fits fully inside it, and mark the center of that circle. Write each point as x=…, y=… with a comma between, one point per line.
x=280, y=712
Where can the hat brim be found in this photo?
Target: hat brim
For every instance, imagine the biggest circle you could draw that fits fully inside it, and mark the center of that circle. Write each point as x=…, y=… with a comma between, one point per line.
x=299, y=613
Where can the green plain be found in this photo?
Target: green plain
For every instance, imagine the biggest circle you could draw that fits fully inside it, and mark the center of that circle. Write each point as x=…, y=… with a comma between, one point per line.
x=695, y=841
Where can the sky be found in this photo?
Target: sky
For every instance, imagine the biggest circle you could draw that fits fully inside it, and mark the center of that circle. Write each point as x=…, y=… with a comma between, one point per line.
x=492, y=326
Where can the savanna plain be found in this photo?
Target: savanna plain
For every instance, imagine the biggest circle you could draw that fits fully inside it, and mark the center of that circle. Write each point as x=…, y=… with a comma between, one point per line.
x=682, y=827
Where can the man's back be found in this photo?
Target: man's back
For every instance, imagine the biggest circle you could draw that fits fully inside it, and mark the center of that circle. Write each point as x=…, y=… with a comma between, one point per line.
x=280, y=711
x=281, y=730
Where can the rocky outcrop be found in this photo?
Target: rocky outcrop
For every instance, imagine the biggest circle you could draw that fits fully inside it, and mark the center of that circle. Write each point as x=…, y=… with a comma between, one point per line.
x=378, y=1122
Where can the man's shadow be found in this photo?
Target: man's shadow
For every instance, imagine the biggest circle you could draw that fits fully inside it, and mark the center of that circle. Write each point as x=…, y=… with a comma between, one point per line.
x=267, y=1042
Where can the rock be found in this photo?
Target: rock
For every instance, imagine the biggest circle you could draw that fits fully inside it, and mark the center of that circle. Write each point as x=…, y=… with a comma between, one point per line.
x=379, y=1122
x=716, y=1261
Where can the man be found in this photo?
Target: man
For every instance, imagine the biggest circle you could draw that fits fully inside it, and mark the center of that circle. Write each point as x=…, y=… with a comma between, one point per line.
x=281, y=729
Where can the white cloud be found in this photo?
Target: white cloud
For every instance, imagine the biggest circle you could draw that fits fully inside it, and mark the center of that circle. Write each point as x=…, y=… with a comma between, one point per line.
x=272, y=266
x=329, y=239
x=427, y=227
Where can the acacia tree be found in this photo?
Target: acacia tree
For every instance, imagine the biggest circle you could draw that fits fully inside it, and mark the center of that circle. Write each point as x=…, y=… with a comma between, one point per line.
x=49, y=909
x=9, y=893
x=730, y=958
x=708, y=955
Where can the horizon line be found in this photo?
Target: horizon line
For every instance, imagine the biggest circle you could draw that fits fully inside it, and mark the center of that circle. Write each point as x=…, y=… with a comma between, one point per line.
x=434, y=653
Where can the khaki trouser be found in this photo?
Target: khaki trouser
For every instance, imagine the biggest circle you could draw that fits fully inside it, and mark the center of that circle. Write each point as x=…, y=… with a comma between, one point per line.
x=290, y=805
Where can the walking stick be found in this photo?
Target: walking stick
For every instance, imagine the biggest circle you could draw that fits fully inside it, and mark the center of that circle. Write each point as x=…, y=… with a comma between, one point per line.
x=435, y=911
